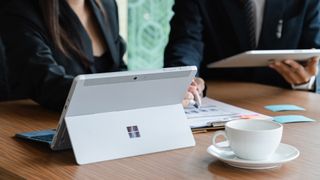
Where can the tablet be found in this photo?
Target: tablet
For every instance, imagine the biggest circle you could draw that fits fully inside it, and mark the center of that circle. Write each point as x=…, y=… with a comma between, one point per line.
x=122, y=114
x=261, y=58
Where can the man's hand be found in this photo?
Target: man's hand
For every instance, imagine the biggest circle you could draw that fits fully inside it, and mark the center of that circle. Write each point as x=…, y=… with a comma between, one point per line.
x=195, y=89
x=295, y=73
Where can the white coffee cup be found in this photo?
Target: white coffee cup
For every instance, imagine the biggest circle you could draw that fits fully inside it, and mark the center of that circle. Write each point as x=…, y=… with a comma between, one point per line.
x=251, y=139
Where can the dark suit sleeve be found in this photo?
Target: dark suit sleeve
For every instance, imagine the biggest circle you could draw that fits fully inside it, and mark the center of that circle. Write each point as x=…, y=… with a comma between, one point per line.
x=122, y=43
x=311, y=32
x=185, y=45
x=122, y=48
x=3, y=75
x=33, y=71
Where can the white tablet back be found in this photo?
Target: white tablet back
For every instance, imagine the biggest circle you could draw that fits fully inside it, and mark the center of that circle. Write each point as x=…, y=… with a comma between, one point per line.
x=116, y=115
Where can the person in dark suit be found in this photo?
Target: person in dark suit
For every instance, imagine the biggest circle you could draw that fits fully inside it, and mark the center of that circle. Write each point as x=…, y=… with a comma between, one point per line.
x=205, y=31
x=49, y=42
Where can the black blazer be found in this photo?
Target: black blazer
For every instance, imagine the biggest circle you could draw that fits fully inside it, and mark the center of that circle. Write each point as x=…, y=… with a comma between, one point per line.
x=36, y=69
x=204, y=31
x=4, y=91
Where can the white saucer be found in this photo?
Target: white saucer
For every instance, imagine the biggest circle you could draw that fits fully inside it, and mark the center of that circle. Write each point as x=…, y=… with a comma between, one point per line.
x=283, y=154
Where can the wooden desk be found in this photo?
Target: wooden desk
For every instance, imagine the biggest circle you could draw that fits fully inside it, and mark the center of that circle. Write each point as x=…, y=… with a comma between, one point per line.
x=21, y=159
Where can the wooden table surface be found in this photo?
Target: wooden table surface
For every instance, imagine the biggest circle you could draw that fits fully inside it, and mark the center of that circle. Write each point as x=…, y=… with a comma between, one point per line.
x=21, y=159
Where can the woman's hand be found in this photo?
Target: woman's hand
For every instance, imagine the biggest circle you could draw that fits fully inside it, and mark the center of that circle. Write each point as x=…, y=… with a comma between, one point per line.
x=295, y=73
x=195, y=90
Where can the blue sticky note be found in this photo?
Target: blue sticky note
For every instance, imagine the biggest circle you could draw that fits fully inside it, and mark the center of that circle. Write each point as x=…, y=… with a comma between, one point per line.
x=291, y=119
x=284, y=107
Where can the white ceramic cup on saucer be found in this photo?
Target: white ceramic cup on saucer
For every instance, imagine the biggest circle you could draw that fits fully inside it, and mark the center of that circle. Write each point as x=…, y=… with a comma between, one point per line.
x=251, y=139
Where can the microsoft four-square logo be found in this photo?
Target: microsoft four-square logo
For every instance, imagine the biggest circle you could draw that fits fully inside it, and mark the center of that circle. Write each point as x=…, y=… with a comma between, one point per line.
x=133, y=131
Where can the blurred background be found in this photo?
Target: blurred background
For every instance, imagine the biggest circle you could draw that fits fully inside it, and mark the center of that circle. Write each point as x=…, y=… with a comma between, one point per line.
x=145, y=27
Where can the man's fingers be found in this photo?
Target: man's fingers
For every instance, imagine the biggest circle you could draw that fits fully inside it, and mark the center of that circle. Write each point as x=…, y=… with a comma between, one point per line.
x=283, y=71
x=312, y=67
x=298, y=72
x=295, y=73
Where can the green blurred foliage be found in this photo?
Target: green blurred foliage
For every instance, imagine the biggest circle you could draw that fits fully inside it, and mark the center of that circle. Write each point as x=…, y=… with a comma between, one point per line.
x=148, y=30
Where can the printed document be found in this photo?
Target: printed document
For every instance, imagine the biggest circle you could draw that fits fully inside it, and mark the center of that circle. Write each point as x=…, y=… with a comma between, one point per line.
x=214, y=113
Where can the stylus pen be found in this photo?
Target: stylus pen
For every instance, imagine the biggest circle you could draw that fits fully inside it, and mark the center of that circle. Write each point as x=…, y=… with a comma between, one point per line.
x=197, y=100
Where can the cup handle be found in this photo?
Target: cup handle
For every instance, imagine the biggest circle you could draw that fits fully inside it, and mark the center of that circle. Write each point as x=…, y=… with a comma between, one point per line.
x=215, y=136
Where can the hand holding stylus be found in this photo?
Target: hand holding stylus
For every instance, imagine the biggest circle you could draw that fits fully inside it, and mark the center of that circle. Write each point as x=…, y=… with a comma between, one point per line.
x=194, y=94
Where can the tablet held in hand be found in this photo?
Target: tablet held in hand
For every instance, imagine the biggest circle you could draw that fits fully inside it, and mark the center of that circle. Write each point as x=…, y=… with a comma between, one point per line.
x=262, y=58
